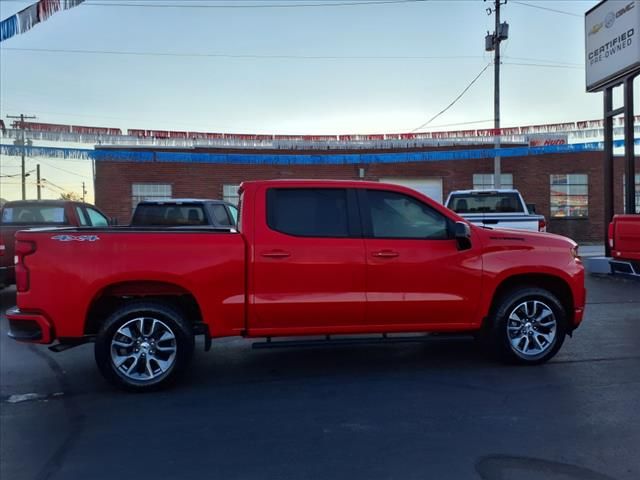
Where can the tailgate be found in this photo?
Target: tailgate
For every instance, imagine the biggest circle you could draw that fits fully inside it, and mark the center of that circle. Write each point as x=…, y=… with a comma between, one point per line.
x=627, y=238
x=7, y=240
x=517, y=222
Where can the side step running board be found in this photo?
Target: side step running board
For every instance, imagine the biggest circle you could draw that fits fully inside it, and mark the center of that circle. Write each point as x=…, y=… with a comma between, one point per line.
x=625, y=267
x=328, y=341
x=67, y=343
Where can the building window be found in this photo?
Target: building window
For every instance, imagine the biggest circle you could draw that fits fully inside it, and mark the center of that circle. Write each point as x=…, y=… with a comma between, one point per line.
x=149, y=191
x=230, y=193
x=624, y=192
x=484, y=181
x=569, y=195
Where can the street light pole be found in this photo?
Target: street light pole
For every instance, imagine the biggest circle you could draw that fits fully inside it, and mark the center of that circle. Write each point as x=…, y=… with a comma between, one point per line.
x=492, y=42
x=497, y=174
x=23, y=143
x=38, y=181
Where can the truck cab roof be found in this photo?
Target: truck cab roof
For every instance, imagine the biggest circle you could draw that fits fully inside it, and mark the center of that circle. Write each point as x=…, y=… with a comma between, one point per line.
x=55, y=203
x=173, y=201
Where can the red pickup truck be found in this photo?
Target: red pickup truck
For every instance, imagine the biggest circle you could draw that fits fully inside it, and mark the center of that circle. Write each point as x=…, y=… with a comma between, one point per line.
x=624, y=240
x=309, y=258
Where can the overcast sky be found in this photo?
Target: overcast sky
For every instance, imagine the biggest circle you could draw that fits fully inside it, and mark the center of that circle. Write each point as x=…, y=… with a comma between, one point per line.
x=382, y=87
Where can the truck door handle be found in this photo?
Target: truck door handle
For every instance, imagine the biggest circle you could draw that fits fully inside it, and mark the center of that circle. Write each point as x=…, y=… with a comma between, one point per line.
x=276, y=254
x=385, y=254
x=489, y=222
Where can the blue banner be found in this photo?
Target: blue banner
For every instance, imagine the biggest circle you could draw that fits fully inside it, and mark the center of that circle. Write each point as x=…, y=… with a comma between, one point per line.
x=298, y=159
x=8, y=27
x=341, y=159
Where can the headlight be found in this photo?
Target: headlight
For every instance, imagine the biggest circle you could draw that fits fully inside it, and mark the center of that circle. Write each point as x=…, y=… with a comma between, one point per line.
x=574, y=253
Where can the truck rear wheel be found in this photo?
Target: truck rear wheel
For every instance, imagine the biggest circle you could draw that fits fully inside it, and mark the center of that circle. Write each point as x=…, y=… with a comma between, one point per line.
x=144, y=346
x=529, y=326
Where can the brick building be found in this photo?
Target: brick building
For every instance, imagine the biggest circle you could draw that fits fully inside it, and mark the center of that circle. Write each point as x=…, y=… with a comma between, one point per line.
x=567, y=188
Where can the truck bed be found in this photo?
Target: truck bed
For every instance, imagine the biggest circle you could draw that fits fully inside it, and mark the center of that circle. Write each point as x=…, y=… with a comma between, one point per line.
x=134, y=260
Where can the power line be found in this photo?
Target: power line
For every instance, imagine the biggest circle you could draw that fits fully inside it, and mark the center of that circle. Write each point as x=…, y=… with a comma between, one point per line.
x=46, y=182
x=563, y=12
x=128, y=119
x=462, y=123
x=17, y=174
x=64, y=170
x=250, y=6
x=275, y=56
x=529, y=59
x=454, y=101
x=315, y=4
x=543, y=65
x=248, y=56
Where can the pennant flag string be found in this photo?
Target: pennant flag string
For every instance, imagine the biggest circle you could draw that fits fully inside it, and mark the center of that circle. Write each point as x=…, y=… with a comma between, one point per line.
x=28, y=17
x=8, y=28
x=296, y=159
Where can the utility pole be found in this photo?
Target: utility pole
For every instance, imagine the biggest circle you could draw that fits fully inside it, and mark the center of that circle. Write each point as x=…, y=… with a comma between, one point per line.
x=492, y=43
x=84, y=192
x=38, y=181
x=23, y=143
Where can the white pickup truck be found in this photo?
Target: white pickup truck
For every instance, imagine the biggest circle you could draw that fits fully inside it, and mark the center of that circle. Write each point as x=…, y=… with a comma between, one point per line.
x=496, y=209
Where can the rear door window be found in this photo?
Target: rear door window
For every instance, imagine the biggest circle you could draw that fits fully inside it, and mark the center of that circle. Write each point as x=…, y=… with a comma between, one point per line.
x=33, y=215
x=96, y=218
x=220, y=216
x=234, y=214
x=82, y=218
x=308, y=212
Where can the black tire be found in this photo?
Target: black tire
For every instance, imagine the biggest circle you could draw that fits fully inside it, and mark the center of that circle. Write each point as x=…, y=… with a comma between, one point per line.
x=504, y=333
x=145, y=369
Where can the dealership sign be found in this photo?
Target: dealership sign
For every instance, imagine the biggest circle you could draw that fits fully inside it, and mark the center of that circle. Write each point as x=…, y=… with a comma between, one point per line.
x=612, y=41
x=546, y=140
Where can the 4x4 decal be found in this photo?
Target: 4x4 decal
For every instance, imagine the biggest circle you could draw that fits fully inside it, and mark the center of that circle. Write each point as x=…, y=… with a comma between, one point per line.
x=76, y=238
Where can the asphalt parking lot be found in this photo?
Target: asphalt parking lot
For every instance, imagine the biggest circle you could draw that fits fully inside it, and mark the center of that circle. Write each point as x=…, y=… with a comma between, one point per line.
x=425, y=411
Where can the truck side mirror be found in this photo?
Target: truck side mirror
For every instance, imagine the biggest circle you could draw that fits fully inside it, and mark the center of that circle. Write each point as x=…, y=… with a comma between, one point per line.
x=462, y=234
x=531, y=207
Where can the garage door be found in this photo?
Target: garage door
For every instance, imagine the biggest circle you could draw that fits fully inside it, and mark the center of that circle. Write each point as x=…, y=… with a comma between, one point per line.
x=431, y=187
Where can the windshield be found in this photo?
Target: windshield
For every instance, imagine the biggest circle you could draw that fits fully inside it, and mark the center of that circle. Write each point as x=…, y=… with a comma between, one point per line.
x=33, y=215
x=491, y=202
x=169, y=215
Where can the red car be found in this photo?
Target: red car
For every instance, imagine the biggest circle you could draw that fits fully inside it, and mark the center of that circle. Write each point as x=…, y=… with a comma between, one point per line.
x=309, y=258
x=25, y=214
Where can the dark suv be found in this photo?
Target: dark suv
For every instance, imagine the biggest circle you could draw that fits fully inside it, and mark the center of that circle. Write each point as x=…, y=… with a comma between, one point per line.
x=185, y=213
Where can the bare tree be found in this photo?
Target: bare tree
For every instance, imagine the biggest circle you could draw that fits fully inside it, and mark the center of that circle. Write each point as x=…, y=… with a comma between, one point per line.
x=71, y=196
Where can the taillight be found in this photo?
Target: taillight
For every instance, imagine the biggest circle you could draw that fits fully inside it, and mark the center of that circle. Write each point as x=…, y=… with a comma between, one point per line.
x=23, y=248
x=610, y=235
x=542, y=225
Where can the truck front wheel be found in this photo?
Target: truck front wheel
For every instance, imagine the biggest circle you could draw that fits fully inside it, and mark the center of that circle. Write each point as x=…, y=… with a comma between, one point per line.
x=144, y=346
x=529, y=326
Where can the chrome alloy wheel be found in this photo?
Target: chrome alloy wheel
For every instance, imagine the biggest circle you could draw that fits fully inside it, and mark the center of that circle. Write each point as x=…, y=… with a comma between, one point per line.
x=531, y=328
x=143, y=349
